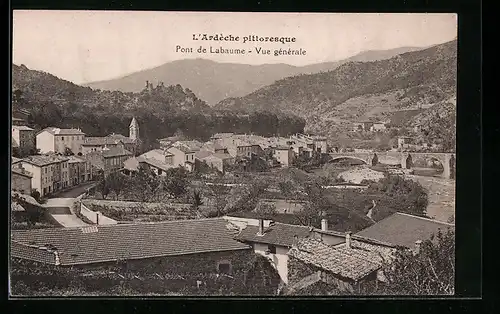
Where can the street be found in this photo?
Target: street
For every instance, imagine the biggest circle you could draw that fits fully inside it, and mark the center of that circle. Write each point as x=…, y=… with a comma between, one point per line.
x=74, y=192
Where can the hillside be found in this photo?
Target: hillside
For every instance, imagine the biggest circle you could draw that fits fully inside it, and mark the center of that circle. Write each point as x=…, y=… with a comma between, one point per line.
x=214, y=81
x=161, y=110
x=331, y=101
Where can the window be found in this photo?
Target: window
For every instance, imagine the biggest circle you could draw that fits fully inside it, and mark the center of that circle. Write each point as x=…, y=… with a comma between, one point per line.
x=62, y=138
x=224, y=267
x=159, y=172
x=271, y=249
x=187, y=157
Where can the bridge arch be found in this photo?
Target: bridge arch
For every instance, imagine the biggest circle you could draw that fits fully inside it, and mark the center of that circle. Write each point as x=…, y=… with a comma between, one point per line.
x=447, y=161
x=337, y=158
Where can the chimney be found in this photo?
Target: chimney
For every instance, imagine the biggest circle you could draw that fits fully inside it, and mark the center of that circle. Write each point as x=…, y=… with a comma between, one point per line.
x=261, y=226
x=348, y=239
x=294, y=243
x=324, y=225
x=417, y=246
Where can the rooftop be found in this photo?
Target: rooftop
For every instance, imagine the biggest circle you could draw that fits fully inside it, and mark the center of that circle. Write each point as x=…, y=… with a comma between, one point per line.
x=277, y=234
x=107, y=243
x=403, y=229
x=22, y=128
x=43, y=160
x=58, y=131
x=155, y=163
x=21, y=171
x=183, y=149
x=101, y=141
x=115, y=152
x=350, y=263
x=123, y=138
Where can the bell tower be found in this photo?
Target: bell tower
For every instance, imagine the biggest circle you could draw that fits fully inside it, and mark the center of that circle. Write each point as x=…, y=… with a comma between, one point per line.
x=134, y=130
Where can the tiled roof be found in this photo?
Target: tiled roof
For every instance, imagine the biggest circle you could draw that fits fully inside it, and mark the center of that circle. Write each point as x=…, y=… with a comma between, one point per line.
x=131, y=164
x=203, y=154
x=222, y=135
x=32, y=252
x=351, y=263
x=222, y=156
x=43, y=160
x=155, y=163
x=157, y=154
x=183, y=149
x=75, y=159
x=123, y=138
x=115, y=152
x=277, y=234
x=101, y=141
x=58, y=131
x=403, y=229
x=14, y=160
x=21, y=172
x=106, y=243
x=22, y=128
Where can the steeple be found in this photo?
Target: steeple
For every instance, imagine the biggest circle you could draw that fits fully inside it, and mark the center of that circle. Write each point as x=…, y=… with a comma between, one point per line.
x=134, y=129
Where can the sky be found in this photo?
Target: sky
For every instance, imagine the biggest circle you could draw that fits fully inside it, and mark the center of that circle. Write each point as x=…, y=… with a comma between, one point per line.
x=87, y=46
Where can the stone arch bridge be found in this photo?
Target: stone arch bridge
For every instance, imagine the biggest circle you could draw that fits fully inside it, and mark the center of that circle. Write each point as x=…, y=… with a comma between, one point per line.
x=405, y=159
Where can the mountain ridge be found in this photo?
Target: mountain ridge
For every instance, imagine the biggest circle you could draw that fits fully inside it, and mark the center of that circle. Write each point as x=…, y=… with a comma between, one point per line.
x=214, y=81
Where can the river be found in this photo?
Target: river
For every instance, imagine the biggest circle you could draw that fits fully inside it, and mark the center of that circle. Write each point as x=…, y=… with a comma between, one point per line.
x=441, y=194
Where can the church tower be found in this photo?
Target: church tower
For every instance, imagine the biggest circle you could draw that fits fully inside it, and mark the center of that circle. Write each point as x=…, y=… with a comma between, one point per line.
x=134, y=130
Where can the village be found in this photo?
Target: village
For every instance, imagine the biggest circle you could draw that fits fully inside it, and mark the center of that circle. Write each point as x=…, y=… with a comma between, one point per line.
x=239, y=214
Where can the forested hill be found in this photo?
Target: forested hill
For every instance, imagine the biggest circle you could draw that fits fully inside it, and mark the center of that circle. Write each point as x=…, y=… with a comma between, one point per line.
x=161, y=110
x=359, y=90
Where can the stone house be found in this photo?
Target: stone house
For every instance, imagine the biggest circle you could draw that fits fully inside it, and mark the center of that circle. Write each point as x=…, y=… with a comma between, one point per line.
x=80, y=170
x=183, y=157
x=24, y=137
x=284, y=155
x=20, y=179
x=58, y=140
x=108, y=160
x=186, y=255
x=50, y=173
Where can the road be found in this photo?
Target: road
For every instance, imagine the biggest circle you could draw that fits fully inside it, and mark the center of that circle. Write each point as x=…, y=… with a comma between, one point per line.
x=75, y=192
x=60, y=207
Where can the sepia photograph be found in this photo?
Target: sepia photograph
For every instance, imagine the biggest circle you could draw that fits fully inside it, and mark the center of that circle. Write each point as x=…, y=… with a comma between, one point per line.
x=232, y=154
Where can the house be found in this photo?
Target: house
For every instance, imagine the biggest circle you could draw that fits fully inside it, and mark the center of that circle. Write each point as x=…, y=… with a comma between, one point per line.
x=157, y=160
x=404, y=230
x=58, y=140
x=18, y=121
x=50, y=173
x=378, y=126
x=219, y=161
x=132, y=145
x=284, y=155
x=270, y=239
x=80, y=170
x=219, y=136
x=186, y=255
x=98, y=144
x=404, y=142
x=183, y=156
x=320, y=144
x=108, y=160
x=214, y=148
x=343, y=268
x=24, y=137
x=20, y=180
x=190, y=145
x=168, y=141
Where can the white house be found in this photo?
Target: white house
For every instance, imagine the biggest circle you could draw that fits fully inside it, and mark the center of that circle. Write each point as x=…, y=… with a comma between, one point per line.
x=57, y=140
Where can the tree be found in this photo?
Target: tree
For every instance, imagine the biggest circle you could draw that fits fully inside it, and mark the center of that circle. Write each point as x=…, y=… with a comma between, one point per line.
x=375, y=160
x=197, y=200
x=430, y=272
x=36, y=195
x=103, y=188
x=177, y=182
x=116, y=183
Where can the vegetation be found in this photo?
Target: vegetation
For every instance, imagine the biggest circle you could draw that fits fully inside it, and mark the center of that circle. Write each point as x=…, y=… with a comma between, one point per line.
x=55, y=102
x=430, y=272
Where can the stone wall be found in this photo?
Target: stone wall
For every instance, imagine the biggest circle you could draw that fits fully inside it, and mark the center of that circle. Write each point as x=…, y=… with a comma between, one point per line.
x=198, y=274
